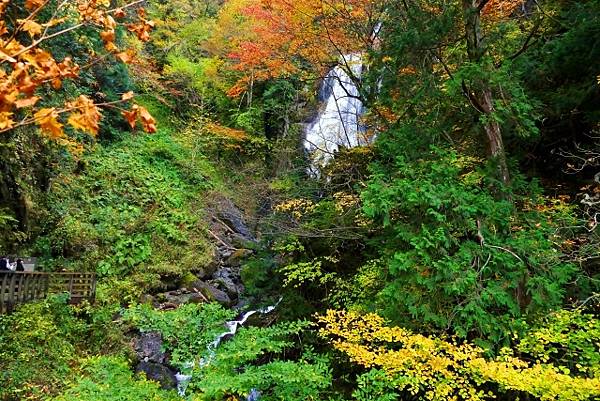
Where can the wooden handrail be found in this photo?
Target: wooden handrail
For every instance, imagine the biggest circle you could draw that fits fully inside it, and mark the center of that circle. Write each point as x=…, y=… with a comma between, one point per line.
x=21, y=287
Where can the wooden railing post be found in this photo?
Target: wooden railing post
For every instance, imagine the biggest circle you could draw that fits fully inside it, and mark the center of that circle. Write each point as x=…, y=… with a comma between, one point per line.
x=20, y=287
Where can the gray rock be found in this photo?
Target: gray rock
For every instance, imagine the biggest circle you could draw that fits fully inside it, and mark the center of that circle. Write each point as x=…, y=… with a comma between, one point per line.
x=212, y=293
x=148, y=347
x=180, y=298
x=227, y=285
x=158, y=373
x=232, y=216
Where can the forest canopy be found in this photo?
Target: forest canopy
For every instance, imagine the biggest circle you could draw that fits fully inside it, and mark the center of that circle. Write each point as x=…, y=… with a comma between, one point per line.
x=318, y=200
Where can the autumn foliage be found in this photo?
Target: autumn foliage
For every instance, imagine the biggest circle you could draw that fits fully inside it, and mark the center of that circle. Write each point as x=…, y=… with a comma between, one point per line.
x=442, y=369
x=27, y=67
x=283, y=35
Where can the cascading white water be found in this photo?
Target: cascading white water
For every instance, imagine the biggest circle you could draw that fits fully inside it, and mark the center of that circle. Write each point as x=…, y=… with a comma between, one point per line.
x=183, y=379
x=338, y=123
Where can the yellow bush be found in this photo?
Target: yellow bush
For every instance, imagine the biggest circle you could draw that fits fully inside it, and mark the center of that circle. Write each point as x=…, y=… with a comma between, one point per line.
x=440, y=369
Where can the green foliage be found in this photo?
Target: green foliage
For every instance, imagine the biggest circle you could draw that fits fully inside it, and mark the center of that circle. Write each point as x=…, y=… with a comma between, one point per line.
x=36, y=348
x=41, y=341
x=187, y=330
x=569, y=338
x=133, y=212
x=375, y=385
x=110, y=379
x=256, y=359
x=459, y=257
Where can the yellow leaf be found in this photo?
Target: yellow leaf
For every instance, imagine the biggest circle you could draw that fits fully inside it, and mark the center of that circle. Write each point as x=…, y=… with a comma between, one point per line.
x=31, y=27
x=47, y=120
x=6, y=120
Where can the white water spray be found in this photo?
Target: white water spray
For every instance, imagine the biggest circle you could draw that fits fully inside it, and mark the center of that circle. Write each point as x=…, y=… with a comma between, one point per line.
x=183, y=379
x=338, y=123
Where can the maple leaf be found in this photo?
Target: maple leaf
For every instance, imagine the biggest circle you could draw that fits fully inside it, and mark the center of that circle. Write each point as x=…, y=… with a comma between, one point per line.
x=119, y=13
x=108, y=36
x=137, y=111
x=33, y=4
x=47, y=120
x=148, y=122
x=31, y=27
x=6, y=57
x=86, y=117
x=28, y=102
x=6, y=120
x=126, y=57
x=131, y=116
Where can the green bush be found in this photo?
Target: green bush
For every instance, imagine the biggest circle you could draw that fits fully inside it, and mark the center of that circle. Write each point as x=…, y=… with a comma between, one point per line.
x=111, y=379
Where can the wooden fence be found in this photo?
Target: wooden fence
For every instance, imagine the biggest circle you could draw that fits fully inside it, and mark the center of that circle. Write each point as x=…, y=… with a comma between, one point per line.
x=21, y=287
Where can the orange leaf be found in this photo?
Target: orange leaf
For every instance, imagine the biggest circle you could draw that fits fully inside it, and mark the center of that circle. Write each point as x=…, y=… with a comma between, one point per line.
x=108, y=36
x=28, y=102
x=31, y=27
x=148, y=122
x=127, y=96
x=123, y=57
x=120, y=13
x=33, y=4
x=86, y=117
x=131, y=116
x=47, y=120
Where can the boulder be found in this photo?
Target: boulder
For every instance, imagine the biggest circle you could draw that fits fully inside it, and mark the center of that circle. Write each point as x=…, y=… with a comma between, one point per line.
x=227, y=285
x=158, y=373
x=148, y=347
x=232, y=216
x=212, y=293
x=181, y=298
x=208, y=270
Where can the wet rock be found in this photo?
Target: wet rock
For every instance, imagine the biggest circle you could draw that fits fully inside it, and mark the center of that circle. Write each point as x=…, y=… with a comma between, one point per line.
x=261, y=320
x=212, y=293
x=148, y=347
x=181, y=298
x=226, y=284
x=232, y=216
x=237, y=257
x=158, y=373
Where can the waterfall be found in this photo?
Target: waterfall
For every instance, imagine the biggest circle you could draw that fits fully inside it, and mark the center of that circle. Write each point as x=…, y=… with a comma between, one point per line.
x=183, y=379
x=338, y=122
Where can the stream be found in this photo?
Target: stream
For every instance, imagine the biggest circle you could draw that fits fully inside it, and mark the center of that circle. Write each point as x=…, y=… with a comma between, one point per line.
x=183, y=379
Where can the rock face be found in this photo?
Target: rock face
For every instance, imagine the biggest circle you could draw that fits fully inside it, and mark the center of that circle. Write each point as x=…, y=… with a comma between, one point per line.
x=159, y=373
x=148, y=347
x=232, y=216
x=220, y=281
x=212, y=293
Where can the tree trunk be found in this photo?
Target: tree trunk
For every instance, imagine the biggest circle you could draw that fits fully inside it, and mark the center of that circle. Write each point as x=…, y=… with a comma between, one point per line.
x=483, y=91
